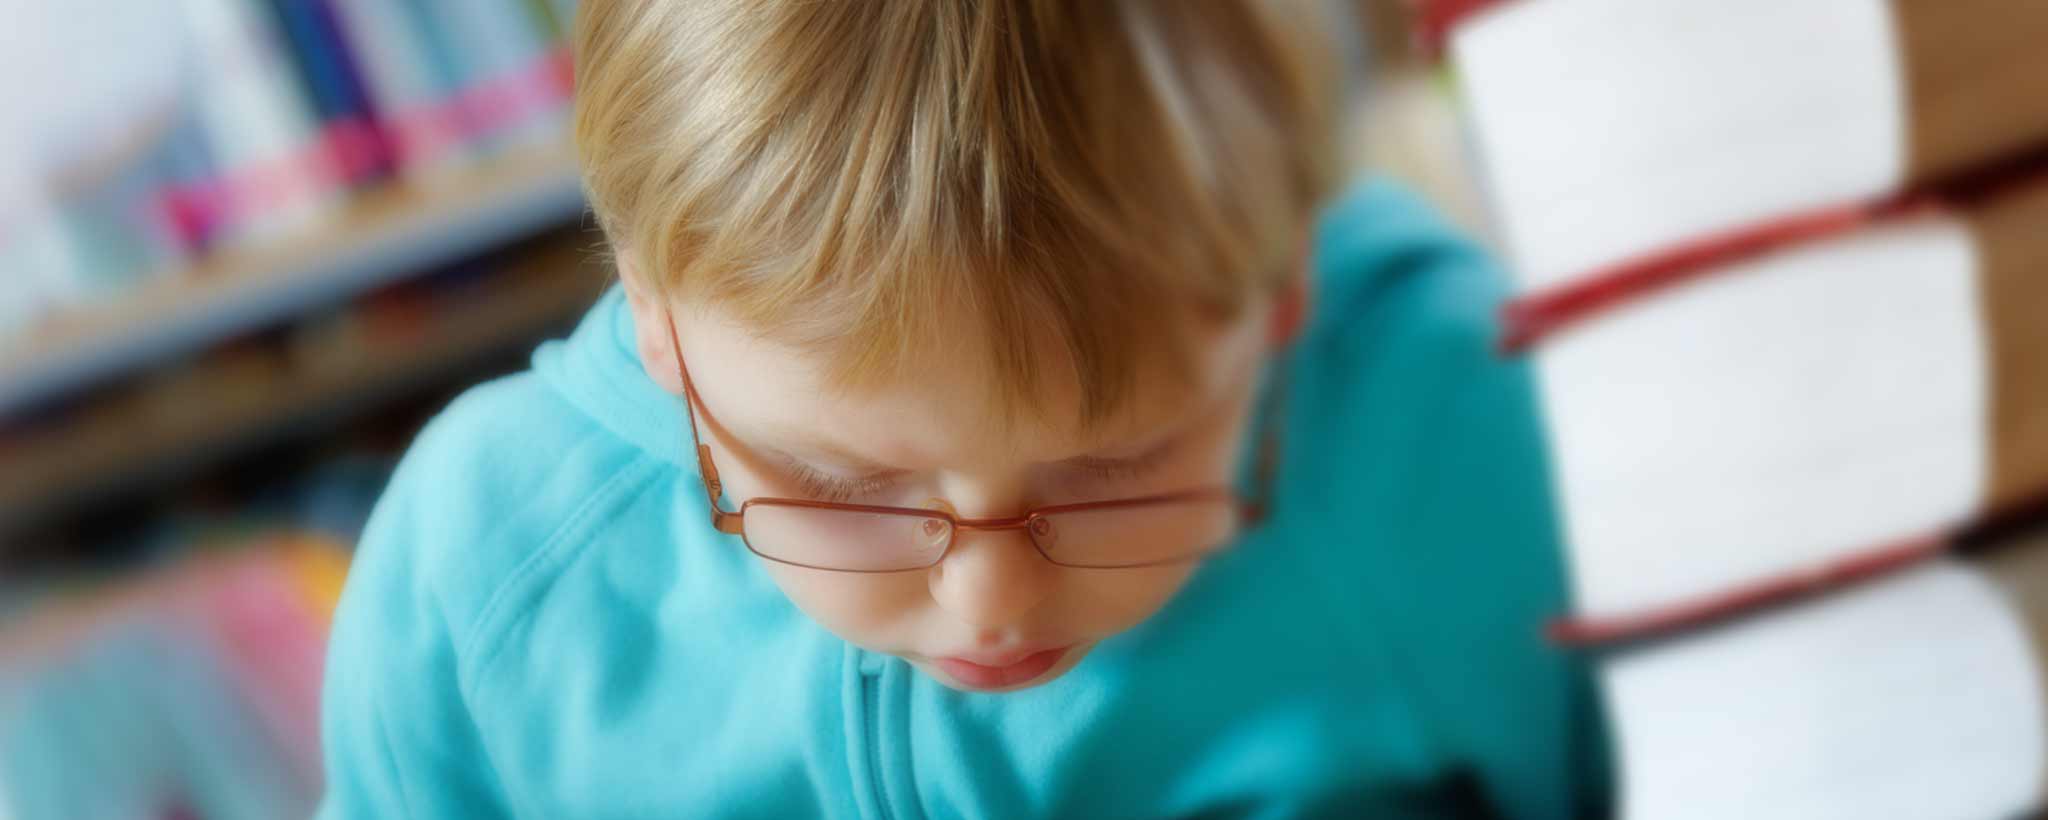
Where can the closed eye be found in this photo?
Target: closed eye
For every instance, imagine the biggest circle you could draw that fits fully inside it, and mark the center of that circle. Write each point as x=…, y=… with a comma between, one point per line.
x=815, y=484
x=1138, y=466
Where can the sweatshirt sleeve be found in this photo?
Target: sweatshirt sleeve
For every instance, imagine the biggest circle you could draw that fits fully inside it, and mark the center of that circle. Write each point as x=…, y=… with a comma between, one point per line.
x=1468, y=563
x=398, y=736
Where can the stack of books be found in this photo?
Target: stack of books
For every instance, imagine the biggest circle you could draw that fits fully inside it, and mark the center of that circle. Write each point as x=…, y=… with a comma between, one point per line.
x=255, y=120
x=1783, y=272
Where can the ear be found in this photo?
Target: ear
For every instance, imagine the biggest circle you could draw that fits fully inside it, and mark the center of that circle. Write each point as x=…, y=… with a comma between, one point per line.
x=651, y=339
x=1292, y=304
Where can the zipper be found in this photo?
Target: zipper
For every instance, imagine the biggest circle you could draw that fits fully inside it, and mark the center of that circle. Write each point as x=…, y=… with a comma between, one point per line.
x=871, y=708
x=872, y=702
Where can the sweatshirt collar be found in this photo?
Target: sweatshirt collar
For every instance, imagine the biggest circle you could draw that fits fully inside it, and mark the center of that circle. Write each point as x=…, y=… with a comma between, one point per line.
x=597, y=368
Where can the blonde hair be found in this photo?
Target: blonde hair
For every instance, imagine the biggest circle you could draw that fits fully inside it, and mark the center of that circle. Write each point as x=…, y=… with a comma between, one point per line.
x=1074, y=177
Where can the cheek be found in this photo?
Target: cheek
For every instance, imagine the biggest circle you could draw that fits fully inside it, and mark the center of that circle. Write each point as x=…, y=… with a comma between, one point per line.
x=1101, y=603
x=882, y=612
x=870, y=611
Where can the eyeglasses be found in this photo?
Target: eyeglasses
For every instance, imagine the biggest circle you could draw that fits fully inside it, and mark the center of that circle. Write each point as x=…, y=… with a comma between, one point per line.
x=1146, y=531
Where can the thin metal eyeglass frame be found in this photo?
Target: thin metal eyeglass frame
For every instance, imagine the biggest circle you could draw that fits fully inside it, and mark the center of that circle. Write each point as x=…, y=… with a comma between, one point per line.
x=1250, y=511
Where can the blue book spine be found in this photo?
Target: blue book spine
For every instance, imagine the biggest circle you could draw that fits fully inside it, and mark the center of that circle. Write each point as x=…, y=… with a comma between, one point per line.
x=443, y=54
x=405, y=85
x=500, y=52
x=331, y=79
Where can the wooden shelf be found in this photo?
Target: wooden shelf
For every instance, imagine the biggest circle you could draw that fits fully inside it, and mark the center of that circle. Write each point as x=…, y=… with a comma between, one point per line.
x=71, y=466
x=381, y=235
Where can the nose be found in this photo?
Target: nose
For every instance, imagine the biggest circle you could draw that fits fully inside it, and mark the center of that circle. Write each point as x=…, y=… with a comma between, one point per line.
x=992, y=579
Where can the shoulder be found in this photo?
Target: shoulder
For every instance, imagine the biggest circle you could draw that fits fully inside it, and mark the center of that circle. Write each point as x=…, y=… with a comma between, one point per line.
x=493, y=494
x=1409, y=412
x=1398, y=364
x=1394, y=276
x=491, y=497
x=1434, y=444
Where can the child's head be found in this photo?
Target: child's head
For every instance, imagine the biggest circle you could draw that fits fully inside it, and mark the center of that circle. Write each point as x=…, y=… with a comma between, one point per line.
x=985, y=256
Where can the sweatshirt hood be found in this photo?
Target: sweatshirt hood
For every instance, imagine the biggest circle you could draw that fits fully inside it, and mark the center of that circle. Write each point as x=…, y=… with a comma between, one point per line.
x=597, y=369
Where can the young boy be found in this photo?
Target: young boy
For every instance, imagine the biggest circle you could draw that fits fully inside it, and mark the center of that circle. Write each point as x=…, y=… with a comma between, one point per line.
x=982, y=427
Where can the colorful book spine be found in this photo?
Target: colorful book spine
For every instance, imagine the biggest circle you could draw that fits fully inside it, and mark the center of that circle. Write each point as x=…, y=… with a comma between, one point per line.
x=329, y=76
x=188, y=162
x=546, y=20
x=565, y=11
x=118, y=237
x=258, y=126
x=279, y=109
x=495, y=41
x=406, y=81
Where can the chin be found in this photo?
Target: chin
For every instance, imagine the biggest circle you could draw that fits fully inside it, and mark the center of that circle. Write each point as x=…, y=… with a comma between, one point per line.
x=1066, y=662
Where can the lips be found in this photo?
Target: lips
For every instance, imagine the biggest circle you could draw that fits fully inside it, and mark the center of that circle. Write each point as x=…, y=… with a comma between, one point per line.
x=997, y=671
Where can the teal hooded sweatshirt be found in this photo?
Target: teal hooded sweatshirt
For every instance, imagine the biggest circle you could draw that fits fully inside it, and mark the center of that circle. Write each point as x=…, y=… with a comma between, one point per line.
x=540, y=621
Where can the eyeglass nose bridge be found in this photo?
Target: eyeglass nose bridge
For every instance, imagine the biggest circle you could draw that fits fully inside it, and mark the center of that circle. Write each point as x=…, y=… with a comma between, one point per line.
x=1036, y=528
x=1022, y=522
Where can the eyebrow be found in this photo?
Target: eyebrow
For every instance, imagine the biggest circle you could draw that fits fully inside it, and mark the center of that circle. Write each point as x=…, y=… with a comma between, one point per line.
x=1152, y=450
x=869, y=467
x=853, y=461
x=1178, y=430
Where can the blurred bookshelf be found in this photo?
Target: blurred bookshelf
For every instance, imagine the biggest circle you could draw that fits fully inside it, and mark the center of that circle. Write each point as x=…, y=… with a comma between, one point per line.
x=187, y=420
x=382, y=235
x=205, y=242
x=247, y=247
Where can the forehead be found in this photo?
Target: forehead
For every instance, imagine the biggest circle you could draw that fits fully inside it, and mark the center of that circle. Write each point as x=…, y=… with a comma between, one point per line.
x=938, y=413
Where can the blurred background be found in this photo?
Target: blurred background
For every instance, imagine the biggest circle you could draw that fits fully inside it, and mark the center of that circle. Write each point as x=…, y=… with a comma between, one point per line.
x=247, y=247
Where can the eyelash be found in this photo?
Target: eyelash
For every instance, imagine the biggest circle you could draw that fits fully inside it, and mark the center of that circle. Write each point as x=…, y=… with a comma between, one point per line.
x=1117, y=471
x=817, y=485
x=1130, y=468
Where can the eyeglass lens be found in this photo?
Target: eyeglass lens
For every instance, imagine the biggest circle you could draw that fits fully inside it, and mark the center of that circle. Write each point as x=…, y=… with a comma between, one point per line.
x=1115, y=536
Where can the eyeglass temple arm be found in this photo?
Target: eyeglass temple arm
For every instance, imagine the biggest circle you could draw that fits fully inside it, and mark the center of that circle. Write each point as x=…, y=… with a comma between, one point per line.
x=721, y=519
